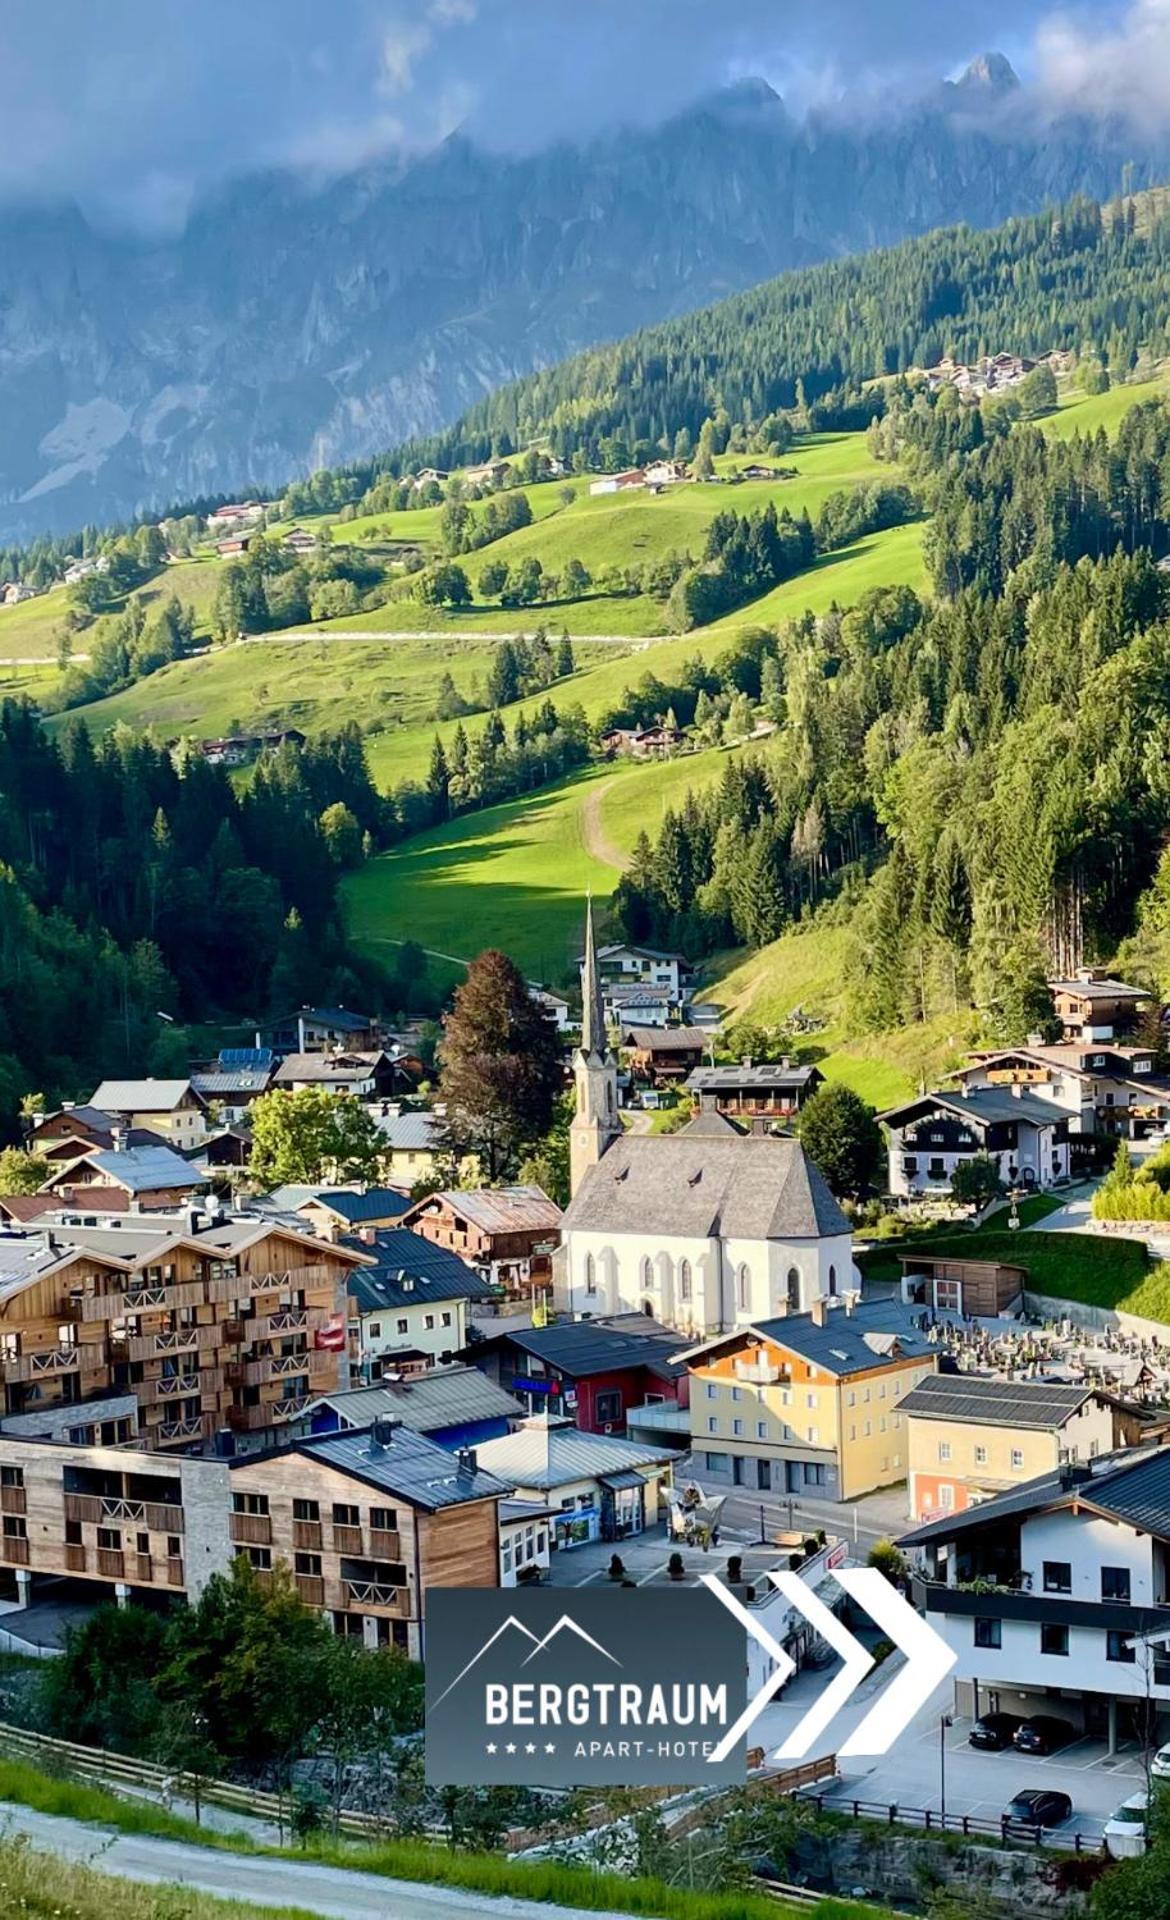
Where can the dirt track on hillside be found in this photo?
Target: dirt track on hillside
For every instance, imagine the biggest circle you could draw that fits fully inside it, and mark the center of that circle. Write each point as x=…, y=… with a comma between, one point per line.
x=597, y=842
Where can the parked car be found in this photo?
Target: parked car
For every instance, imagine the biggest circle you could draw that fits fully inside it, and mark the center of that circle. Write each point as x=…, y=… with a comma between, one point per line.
x=1160, y=1764
x=1039, y=1807
x=994, y=1731
x=1125, y=1831
x=1042, y=1734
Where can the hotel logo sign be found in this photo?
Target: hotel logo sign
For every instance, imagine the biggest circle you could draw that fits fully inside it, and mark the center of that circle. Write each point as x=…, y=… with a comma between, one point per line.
x=643, y=1688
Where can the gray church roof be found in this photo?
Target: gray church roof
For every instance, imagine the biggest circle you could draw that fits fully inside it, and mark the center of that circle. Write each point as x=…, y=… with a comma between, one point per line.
x=760, y=1188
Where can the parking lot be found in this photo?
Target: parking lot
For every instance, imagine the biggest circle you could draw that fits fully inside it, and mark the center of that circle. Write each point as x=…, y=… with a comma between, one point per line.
x=929, y=1759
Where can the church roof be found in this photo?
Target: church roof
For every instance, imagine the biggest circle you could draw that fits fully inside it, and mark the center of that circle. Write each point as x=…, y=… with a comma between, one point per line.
x=710, y=1124
x=759, y=1188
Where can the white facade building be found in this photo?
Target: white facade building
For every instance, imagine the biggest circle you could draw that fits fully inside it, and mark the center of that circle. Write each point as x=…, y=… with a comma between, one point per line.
x=1049, y=1595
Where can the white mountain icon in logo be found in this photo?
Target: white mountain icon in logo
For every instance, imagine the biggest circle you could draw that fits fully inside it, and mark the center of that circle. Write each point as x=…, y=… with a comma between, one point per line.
x=538, y=1645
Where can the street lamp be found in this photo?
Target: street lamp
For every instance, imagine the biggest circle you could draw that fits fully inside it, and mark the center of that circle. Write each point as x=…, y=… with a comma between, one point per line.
x=944, y=1722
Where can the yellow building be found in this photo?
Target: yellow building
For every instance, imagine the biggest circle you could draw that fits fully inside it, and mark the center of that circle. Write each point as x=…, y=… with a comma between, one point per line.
x=970, y=1435
x=809, y=1403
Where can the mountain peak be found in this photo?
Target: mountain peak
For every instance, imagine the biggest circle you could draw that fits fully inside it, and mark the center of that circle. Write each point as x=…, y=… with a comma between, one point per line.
x=748, y=97
x=988, y=73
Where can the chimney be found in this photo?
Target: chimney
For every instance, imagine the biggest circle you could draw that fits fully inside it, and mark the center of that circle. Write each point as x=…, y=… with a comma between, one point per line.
x=747, y=1060
x=820, y=1310
x=467, y=1459
x=1017, y=1090
x=118, y=1136
x=382, y=1433
x=851, y=1298
x=369, y=1235
x=786, y=1061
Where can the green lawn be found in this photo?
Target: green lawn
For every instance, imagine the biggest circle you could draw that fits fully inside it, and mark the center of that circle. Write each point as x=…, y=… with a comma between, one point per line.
x=1086, y=413
x=1098, y=1271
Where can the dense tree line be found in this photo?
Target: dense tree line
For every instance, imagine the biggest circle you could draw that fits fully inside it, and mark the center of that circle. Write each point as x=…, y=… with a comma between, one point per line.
x=983, y=782
x=1077, y=276
x=134, y=881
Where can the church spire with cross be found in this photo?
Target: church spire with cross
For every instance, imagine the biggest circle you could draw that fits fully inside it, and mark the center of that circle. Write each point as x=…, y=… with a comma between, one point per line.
x=595, y=1123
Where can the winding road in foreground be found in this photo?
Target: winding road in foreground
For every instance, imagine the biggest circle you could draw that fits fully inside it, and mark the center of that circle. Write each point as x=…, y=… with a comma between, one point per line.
x=263, y=1881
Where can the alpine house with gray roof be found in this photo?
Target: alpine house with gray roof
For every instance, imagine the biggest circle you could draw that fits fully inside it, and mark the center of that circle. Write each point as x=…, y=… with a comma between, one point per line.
x=930, y=1136
x=1055, y=1596
x=703, y=1234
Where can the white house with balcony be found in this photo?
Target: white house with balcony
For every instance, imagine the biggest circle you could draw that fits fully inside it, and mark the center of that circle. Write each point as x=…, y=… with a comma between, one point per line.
x=928, y=1138
x=1053, y=1596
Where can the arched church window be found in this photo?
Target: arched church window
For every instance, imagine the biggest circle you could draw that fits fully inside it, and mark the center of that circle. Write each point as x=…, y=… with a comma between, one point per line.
x=684, y=1280
x=590, y=1274
x=794, y=1287
x=743, y=1286
x=832, y=1279
x=647, y=1271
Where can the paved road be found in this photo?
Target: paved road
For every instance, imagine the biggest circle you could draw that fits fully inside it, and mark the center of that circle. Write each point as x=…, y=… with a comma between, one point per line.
x=265, y=1882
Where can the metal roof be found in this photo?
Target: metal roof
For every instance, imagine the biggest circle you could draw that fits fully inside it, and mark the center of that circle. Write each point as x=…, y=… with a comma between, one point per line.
x=665, y=1039
x=139, y=1096
x=338, y=1067
x=984, y=1106
x=545, y=1453
x=579, y=1348
x=762, y=1187
x=1132, y=1486
x=377, y=1203
x=412, y=1132
x=145, y=1169
x=441, y=1397
x=409, y=1466
x=873, y=1334
x=410, y=1271
x=1107, y=989
x=213, y=1086
x=712, y=1079
x=496, y=1209
x=988, y=1402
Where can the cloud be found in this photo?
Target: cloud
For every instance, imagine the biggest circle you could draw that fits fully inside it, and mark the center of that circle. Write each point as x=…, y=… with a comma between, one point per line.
x=1123, y=70
x=138, y=108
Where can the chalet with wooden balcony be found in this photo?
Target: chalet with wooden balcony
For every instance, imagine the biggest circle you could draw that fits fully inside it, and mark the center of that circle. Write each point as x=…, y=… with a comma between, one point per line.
x=236, y=1327
x=930, y=1137
x=1093, y=1006
x=508, y=1234
x=1101, y=1086
x=369, y=1521
x=754, y=1092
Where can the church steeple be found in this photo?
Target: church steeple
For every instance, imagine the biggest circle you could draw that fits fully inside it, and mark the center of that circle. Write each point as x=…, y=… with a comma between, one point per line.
x=595, y=1124
x=593, y=1035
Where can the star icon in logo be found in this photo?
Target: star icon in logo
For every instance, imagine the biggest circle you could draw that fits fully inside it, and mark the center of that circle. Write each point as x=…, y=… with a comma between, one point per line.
x=511, y=1747
x=530, y=1748
x=550, y=1746
x=491, y=1747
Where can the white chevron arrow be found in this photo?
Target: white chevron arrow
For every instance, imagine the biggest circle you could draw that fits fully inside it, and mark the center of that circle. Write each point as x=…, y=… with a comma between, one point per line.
x=857, y=1664
x=928, y=1661
x=785, y=1667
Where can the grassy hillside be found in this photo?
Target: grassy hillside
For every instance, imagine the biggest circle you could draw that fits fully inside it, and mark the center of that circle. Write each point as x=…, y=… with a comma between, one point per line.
x=1099, y=1272
x=516, y=876
x=388, y=686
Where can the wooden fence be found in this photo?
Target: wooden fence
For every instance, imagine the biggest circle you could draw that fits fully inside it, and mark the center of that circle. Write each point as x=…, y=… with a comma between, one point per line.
x=118, y=1770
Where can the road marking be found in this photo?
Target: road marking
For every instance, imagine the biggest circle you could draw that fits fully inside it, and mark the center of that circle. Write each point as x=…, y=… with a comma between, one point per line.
x=586, y=1578
x=653, y=1574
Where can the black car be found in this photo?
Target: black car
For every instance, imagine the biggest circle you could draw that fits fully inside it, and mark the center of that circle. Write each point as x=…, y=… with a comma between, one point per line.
x=1038, y=1808
x=1042, y=1734
x=994, y=1732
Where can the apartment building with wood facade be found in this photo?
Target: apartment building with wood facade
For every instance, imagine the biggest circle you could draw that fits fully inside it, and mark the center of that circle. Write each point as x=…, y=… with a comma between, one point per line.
x=366, y=1521
x=235, y=1326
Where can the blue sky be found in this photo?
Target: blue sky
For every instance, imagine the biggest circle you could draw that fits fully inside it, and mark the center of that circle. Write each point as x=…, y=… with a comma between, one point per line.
x=136, y=106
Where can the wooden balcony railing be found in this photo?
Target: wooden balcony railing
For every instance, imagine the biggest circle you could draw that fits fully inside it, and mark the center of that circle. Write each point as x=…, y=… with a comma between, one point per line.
x=116, y=1305
x=251, y=1529
x=74, y=1557
x=307, y=1535
x=111, y=1562
x=385, y=1545
x=311, y=1588
x=13, y=1500
x=291, y=1409
x=366, y=1594
x=158, y=1516
x=35, y=1366
x=347, y=1540
x=13, y=1550
x=149, y=1346
x=171, y=1430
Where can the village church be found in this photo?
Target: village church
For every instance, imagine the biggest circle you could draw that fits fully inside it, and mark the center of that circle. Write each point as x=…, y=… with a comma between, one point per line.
x=706, y=1230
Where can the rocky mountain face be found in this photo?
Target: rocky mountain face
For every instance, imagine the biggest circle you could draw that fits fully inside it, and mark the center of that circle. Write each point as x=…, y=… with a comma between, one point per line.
x=289, y=328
